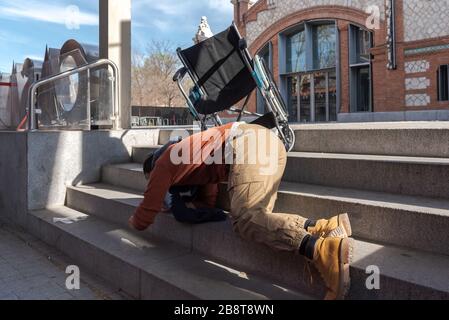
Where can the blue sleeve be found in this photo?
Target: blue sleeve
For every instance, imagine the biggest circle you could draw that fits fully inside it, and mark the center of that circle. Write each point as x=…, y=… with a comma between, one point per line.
x=189, y=215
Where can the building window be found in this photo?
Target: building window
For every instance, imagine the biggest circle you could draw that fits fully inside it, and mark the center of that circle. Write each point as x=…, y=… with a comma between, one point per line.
x=296, y=52
x=309, y=73
x=324, y=45
x=292, y=85
x=443, y=83
x=360, y=43
x=266, y=54
x=361, y=89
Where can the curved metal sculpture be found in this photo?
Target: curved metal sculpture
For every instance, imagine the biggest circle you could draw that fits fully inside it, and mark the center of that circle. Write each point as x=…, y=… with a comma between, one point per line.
x=22, y=77
x=81, y=100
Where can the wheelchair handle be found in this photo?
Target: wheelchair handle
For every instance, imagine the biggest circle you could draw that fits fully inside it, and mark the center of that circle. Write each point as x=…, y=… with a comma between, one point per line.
x=243, y=45
x=180, y=74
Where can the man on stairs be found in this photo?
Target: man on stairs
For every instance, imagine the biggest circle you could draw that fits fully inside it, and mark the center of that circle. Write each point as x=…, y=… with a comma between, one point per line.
x=192, y=204
x=252, y=160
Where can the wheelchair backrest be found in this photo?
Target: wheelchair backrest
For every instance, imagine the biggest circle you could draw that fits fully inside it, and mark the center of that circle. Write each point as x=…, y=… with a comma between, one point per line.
x=217, y=66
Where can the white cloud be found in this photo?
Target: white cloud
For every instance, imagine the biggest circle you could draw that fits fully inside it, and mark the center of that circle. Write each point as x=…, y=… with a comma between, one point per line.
x=165, y=7
x=161, y=25
x=221, y=5
x=170, y=8
x=185, y=7
x=33, y=57
x=180, y=15
x=40, y=11
x=176, y=20
x=13, y=38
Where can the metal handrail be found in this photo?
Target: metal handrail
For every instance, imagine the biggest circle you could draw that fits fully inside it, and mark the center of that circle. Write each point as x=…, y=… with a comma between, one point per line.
x=68, y=73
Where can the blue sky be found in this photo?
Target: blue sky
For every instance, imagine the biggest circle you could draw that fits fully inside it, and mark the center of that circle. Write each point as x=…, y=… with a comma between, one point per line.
x=26, y=26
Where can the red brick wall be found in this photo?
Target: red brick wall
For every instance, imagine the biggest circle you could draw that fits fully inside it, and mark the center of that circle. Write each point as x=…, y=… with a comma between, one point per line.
x=436, y=59
x=388, y=85
x=344, y=16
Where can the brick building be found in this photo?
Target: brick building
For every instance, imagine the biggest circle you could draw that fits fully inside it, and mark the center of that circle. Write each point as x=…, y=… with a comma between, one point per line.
x=359, y=60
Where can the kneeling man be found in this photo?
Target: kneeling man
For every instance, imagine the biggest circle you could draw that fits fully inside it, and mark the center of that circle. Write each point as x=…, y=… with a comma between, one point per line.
x=252, y=160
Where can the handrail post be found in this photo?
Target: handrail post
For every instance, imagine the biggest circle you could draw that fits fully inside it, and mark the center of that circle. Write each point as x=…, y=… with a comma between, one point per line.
x=116, y=103
x=31, y=109
x=88, y=107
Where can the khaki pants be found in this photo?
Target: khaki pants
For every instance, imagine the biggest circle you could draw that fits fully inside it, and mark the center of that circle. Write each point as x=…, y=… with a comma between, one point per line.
x=253, y=192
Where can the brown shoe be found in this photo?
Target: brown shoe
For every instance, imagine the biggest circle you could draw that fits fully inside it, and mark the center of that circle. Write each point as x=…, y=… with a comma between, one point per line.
x=324, y=228
x=332, y=257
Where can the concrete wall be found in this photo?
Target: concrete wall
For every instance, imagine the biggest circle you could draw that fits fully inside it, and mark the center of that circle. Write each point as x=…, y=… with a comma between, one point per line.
x=428, y=115
x=13, y=176
x=62, y=158
x=115, y=44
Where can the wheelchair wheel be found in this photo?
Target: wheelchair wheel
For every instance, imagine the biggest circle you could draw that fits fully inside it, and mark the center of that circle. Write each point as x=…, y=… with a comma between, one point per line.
x=289, y=137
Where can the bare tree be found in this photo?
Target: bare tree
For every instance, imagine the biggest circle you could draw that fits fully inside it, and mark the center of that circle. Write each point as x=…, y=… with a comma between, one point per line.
x=138, y=82
x=153, y=76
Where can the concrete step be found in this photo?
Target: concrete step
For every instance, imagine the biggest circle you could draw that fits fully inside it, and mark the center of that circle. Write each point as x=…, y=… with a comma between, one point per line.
x=416, y=176
x=417, y=139
x=380, y=217
x=140, y=153
x=404, y=273
x=127, y=175
x=148, y=268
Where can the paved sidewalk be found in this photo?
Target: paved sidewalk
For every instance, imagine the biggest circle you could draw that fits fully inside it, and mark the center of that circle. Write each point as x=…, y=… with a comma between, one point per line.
x=30, y=269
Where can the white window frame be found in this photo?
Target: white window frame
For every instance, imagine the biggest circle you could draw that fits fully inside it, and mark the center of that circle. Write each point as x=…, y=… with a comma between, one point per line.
x=354, y=66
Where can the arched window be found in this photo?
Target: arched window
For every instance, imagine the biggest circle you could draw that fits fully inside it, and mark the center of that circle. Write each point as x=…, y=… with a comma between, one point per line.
x=308, y=61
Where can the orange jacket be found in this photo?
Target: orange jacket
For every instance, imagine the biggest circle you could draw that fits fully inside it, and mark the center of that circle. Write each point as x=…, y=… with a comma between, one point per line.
x=194, y=171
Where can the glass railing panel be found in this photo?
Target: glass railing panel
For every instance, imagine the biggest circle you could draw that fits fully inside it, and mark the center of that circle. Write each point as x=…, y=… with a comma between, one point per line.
x=102, y=98
x=63, y=104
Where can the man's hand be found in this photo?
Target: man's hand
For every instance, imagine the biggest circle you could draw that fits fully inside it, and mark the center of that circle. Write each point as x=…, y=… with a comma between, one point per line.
x=133, y=225
x=190, y=205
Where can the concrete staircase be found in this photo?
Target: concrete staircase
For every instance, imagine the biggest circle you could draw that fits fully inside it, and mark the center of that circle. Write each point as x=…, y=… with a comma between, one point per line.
x=392, y=180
